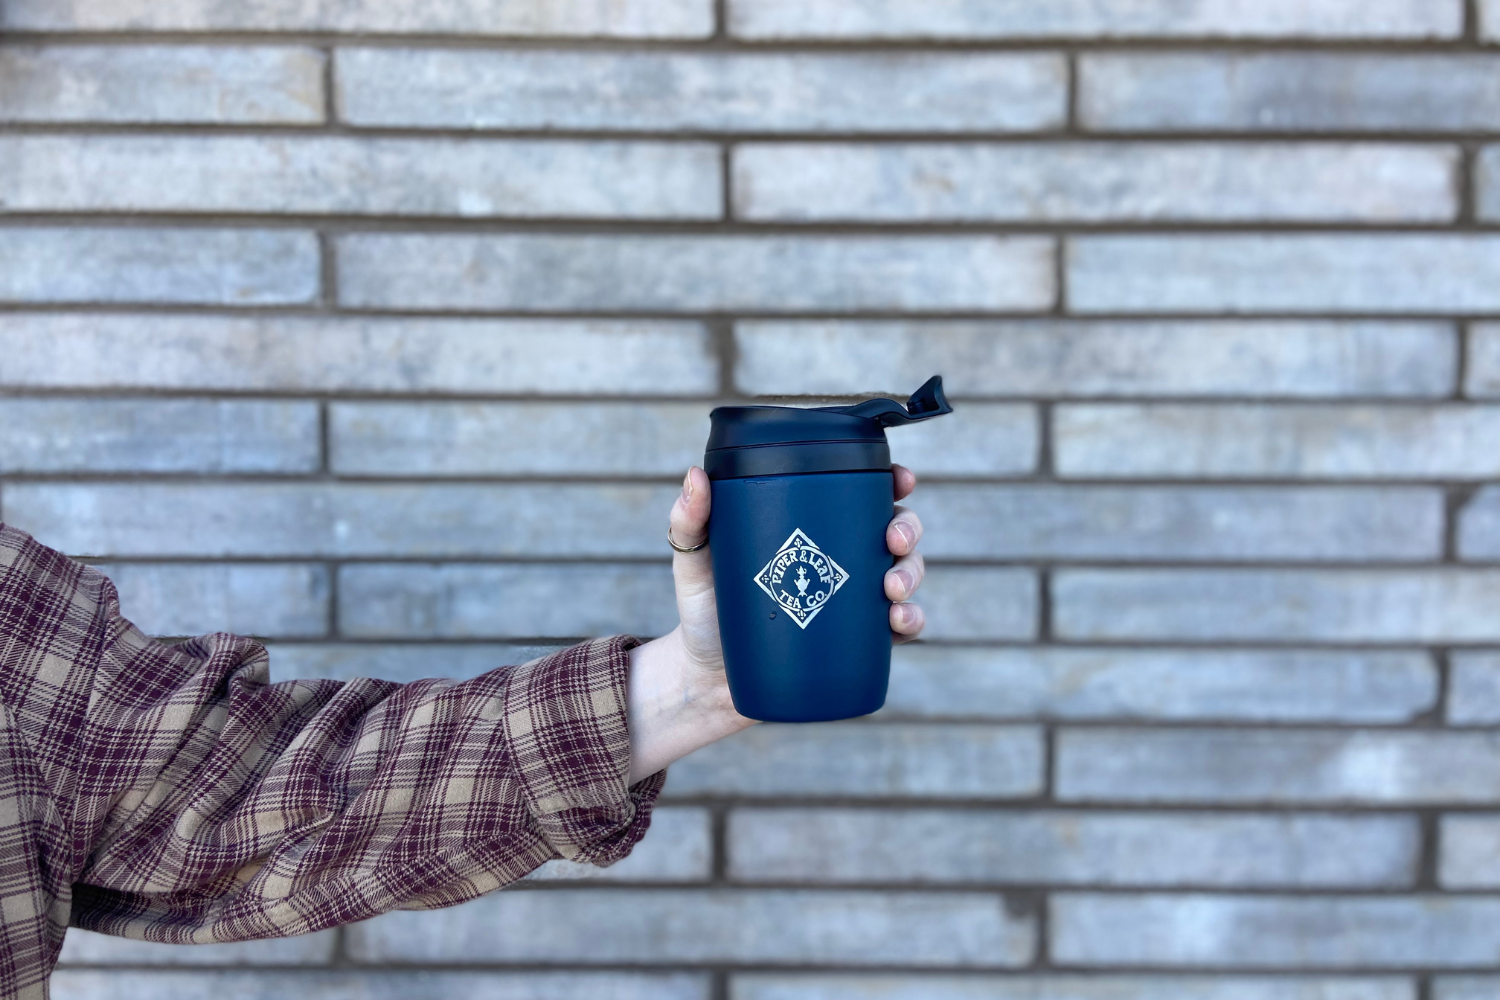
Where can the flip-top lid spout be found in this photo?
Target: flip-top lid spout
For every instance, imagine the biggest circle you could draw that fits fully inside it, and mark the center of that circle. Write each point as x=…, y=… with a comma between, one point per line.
x=927, y=401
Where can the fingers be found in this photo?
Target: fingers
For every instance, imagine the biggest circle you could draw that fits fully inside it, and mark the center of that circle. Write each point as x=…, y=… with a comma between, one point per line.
x=689, y=524
x=903, y=533
x=903, y=579
x=906, y=480
x=906, y=621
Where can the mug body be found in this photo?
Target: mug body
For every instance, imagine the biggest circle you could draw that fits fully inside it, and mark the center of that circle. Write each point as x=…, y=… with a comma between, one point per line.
x=799, y=571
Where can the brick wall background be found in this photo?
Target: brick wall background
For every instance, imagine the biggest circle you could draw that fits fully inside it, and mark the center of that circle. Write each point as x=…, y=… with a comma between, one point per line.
x=385, y=329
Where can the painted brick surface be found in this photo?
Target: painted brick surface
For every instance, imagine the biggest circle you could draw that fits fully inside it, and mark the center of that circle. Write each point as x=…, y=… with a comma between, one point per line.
x=1479, y=522
x=977, y=603
x=1287, y=92
x=1314, y=273
x=1320, y=442
x=80, y=984
x=1469, y=851
x=532, y=273
x=1067, y=358
x=87, y=948
x=935, y=847
x=776, y=927
x=1099, y=182
x=695, y=93
x=1465, y=987
x=889, y=986
x=159, y=84
x=250, y=598
x=356, y=354
x=1474, y=688
x=680, y=849
x=1433, y=605
x=1304, y=766
x=1484, y=361
x=1338, y=932
x=1487, y=183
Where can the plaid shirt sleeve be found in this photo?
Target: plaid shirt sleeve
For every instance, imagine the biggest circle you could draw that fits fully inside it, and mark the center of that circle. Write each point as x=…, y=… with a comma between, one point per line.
x=172, y=793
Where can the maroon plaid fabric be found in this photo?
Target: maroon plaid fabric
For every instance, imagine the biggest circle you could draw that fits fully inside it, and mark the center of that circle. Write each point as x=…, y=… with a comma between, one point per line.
x=172, y=793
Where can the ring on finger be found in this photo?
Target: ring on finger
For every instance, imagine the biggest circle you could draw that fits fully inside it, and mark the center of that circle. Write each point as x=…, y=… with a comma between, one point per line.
x=684, y=548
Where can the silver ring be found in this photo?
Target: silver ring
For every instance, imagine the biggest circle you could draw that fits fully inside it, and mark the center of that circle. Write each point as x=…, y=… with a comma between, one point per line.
x=680, y=548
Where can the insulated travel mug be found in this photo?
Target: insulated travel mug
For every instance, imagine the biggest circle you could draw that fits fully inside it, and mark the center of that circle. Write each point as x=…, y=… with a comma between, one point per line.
x=801, y=500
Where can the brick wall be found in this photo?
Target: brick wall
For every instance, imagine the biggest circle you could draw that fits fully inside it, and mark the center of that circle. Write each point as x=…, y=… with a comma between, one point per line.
x=386, y=329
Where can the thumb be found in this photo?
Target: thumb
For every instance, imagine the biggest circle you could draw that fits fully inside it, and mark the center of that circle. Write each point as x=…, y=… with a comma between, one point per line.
x=693, y=571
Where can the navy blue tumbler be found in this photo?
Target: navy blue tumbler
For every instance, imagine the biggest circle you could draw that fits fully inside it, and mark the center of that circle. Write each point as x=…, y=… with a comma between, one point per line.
x=801, y=500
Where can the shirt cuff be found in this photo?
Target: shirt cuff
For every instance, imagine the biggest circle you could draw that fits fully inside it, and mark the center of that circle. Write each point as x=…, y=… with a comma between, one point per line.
x=564, y=717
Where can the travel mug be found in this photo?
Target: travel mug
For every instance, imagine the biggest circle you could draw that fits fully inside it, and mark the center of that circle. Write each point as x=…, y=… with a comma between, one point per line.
x=801, y=501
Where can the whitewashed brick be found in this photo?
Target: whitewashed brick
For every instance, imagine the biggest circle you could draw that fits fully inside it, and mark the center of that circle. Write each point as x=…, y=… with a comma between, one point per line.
x=1209, y=442
x=980, y=439
x=844, y=846
x=1484, y=361
x=334, y=175
x=1297, y=273
x=1155, y=523
x=1487, y=183
x=82, y=947
x=469, y=601
x=1284, y=766
x=540, y=439
x=1088, y=19
x=1469, y=851
x=401, y=662
x=1479, y=520
x=620, y=19
x=702, y=92
x=197, y=598
x=159, y=84
x=113, y=984
x=1288, y=92
x=973, y=603
x=678, y=848
x=862, y=760
x=180, y=266
x=1277, y=605
x=1332, y=932
x=156, y=435
x=465, y=521
x=356, y=354
x=890, y=986
x=1067, y=682
x=1094, y=182
x=1467, y=987
x=1104, y=358
x=771, y=927
x=1489, y=19
x=1474, y=688
x=670, y=273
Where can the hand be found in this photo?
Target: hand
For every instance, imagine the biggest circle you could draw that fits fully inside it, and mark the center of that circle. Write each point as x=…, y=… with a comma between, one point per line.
x=678, y=698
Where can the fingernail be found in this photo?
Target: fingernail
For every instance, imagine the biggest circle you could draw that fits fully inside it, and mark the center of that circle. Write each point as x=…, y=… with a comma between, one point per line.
x=687, y=487
x=908, y=614
x=905, y=531
x=904, y=581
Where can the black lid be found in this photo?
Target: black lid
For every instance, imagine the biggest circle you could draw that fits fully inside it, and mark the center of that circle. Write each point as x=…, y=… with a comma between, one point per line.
x=777, y=440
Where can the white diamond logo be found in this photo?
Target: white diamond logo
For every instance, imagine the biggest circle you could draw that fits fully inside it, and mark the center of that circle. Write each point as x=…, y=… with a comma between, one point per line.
x=801, y=578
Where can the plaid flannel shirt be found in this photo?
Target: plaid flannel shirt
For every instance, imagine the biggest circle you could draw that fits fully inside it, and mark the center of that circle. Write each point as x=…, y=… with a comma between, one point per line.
x=172, y=793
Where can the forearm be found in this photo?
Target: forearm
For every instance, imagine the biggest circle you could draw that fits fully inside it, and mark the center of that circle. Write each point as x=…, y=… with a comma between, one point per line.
x=674, y=706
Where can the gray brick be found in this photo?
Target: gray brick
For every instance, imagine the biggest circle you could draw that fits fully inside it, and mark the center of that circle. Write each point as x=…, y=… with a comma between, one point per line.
x=621, y=19
x=1288, y=92
x=1283, y=766
x=1066, y=682
x=771, y=927
x=1089, y=19
x=983, y=439
x=862, y=760
x=180, y=266
x=197, y=598
x=356, y=354
x=1104, y=358
x=702, y=92
x=1467, y=987
x=1278, y=605
x=468, y=601
x=1469, y=851
x=1479, y=520
x=82, y=947
x=890, y=986
x=560, y=439
x=466, y=521
x=1484, y=361
x=1155, y=523
x=1474, y=688
x=333, y=175
x=1489, y=19
x=156, y=435
x=1487, y=183
x=403, y=662
x=971, y=603
x=1338, y=932
x=159, y=84
x=1364, y=442
x=1298, y=273
x=1094, y=182
x=851, y=846
x=671, y=273
x=79, y=984
x=678, y=849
